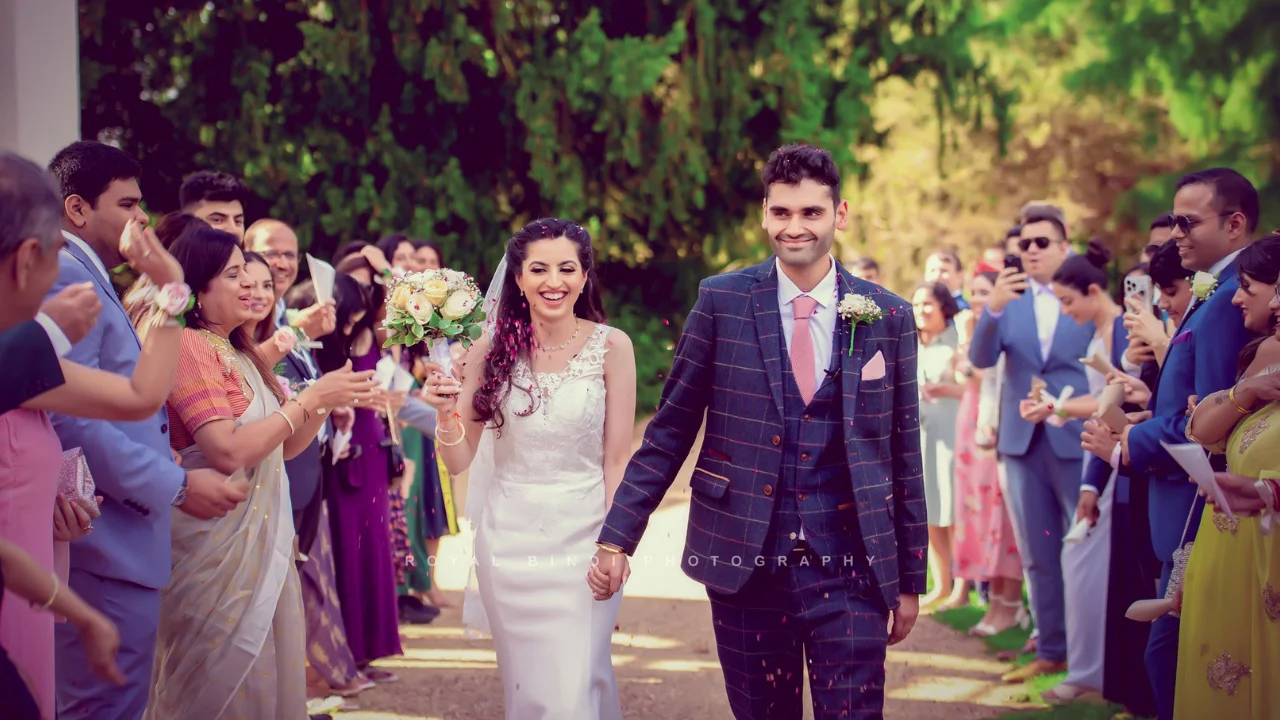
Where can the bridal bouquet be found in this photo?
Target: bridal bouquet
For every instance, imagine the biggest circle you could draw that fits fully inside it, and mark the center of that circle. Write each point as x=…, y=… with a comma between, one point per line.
x=436, y=306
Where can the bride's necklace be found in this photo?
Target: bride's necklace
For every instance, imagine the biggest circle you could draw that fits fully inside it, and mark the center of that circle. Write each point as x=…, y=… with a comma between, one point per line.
x=577, y=326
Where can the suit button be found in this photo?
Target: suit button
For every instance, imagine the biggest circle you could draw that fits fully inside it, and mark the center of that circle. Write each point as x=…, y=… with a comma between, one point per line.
x=793, y=536
x=164, y=428
x=777, y=440
x=768, y=489
x=804, y=457
x=808, y=418
x=801, y=496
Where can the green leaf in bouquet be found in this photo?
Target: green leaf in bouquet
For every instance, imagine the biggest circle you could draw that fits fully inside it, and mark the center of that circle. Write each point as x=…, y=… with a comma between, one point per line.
x=474, y=331
x=417, y=332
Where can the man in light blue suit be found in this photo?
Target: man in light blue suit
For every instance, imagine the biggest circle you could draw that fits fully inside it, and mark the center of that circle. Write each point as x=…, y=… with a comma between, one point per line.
x=1215, y=214
x=121, y=567
x=1043, y=463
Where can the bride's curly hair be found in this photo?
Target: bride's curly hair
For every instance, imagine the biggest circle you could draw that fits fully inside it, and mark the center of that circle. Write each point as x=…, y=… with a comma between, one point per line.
x=513, y=326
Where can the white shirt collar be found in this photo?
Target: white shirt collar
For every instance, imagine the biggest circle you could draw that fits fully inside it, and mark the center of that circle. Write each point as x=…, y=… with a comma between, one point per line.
x=84, y=247
x=1038, y=288
x=824, y=292
x=1222, y=264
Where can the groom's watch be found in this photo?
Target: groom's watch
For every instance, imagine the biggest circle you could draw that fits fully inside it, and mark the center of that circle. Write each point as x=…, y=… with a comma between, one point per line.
x=182, y=493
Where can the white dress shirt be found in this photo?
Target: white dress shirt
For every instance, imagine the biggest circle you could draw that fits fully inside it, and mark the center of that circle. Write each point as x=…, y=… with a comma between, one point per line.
x=1048, y=310
x=93, y=256
x=1215, y=271
x=61, y=345
x=822, y=324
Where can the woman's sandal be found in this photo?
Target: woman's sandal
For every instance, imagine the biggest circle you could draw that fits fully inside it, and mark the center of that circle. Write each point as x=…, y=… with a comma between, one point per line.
x=1020, y=619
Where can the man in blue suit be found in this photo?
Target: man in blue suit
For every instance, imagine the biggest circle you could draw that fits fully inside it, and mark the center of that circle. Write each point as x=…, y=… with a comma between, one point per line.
x=807, y=521
x=1043, y=463
x=121, y=567
x=1215, y=214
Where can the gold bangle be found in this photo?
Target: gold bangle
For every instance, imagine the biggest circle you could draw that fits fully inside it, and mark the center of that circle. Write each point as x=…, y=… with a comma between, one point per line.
x=52, y=597
x=1231, y=395
x=610, y=548
x=462, y=436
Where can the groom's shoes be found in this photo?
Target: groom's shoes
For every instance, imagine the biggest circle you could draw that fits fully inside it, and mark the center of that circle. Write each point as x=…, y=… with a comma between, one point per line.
x=414, y=612
x=1035, y=668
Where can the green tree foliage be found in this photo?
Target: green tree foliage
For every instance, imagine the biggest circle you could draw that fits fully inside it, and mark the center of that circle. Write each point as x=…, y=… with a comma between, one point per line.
x=459, y=120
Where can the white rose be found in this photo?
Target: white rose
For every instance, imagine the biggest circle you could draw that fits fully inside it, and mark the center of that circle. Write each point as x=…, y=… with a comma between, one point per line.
x=420, y=308
x=459, y=305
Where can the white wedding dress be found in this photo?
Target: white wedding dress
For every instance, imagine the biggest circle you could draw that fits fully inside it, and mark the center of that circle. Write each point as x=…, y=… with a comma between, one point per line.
x=542, y=509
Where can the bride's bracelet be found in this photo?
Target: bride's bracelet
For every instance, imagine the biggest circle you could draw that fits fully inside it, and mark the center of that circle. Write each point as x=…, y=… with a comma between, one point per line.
x=440, y=430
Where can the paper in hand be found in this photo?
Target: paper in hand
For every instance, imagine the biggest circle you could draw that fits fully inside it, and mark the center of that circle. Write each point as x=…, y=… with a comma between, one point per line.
x=1111, y=407
x=1038, y=386
x=339, y=444
x=384, y=373
x=1078, y=532
x=1099, y=363
x=1193, y=459
x=402, y=381
x=323, y=277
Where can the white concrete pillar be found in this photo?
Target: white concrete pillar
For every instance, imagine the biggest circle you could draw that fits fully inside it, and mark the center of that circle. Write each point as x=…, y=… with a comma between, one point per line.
x=39, y=77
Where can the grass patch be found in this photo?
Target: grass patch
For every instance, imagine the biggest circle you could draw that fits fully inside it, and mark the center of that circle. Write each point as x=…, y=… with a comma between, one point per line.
x=961, y=619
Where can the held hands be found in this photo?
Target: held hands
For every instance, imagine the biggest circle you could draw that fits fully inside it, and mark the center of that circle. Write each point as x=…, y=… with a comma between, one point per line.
x=211, y=495
x=1034, y=412
x=1009, y=285
x=70, y=522
x=1241, y=492
x=318, y=320
x=340, y=388
x=1087, y=507
x=1099, y=439
x=1136, y=392
x=608, y=573
x=74, y=310
x=140, y=247
x=441, y=391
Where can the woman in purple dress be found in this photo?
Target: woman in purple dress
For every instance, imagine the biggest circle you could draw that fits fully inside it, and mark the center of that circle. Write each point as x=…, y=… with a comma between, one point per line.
x=358, y=504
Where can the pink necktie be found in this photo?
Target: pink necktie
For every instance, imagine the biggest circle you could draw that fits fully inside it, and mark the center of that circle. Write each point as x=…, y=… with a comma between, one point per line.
x=802, y=346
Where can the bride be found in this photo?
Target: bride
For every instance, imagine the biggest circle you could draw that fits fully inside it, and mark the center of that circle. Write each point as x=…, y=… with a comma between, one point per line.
x=548, y=397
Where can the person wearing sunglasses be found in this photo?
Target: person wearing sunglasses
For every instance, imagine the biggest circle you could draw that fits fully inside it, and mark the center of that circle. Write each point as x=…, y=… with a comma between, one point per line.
x=1043, y=463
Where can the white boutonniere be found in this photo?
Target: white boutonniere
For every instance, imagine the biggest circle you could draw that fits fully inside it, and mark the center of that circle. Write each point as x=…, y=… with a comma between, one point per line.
x=1203, y=285
x=858, y=310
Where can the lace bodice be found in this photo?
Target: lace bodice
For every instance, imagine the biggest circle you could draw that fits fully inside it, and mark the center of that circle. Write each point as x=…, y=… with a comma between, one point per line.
x=554, y=433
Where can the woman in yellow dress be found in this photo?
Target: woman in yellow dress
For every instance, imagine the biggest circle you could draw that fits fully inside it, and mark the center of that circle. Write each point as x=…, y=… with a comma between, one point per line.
x=1229, y=647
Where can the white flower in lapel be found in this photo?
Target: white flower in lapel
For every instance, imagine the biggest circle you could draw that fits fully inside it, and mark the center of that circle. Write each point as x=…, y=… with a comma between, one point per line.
x=1203, y=285
x=858, y=310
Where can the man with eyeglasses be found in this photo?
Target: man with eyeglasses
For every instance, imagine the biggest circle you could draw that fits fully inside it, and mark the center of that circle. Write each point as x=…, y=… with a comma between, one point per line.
x=1043, y=464
x=1215, y=215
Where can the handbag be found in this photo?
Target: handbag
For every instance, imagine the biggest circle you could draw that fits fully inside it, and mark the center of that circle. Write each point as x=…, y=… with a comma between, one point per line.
x=1180, y=558
x=75, y=482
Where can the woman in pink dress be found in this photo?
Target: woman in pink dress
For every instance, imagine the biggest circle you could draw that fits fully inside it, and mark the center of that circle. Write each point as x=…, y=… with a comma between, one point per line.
x=983, y=545
x=32, y=514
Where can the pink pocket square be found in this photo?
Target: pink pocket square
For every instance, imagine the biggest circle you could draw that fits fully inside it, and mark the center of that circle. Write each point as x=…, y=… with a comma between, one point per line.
x=874, y=369
x=1184, y=337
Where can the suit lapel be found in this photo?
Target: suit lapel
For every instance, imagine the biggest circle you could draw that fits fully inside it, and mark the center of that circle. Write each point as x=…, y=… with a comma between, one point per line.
x=850, y=362
x=764, y=302
x=78, y=254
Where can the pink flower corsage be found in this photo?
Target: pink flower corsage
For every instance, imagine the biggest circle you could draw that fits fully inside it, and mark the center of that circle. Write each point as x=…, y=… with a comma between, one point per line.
x=285, y=339
x=284, y=385
x=173, y=299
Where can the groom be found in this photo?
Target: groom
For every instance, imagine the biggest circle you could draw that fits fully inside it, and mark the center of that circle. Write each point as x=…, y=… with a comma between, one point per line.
x=807, y=520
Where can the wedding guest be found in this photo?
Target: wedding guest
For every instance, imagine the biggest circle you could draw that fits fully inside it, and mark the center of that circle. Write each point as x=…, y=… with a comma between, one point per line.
x=331, y=669
x=399, y=250
x=1173, y=281
x=934, y=307
x=358, y=503
x=1043, y=464
x=34, y=516
x=984, y=546
x=1080, y=284
x=944, y=266
x=1160, y=231
x=1229, y=650
x=234, y=593
x=218, y=198
x=428, y=255
x=1215, y=216
x=866, y=269
x=120, y=568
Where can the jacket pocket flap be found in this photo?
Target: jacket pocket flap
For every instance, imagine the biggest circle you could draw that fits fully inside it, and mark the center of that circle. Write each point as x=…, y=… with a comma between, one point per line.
x=709, y=483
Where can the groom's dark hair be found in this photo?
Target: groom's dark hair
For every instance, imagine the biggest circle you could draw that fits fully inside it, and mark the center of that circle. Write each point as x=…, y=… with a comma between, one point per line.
x=792, y=163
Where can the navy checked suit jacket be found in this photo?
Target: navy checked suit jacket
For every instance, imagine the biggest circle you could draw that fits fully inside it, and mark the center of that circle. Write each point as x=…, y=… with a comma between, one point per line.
x=728, y=367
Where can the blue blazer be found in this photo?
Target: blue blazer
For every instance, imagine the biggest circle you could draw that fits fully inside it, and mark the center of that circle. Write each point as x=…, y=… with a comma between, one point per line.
x=728, y=368
x=131, y=463
x=1014, y=334
x=1201, y=360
